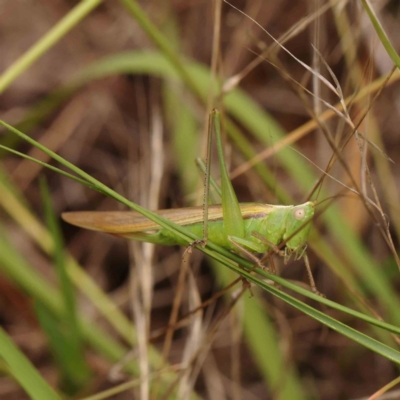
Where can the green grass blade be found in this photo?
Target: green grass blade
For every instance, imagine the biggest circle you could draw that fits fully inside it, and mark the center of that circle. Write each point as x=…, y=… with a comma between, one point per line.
x=48, y=166
x=13, y=265
x=51, y=38
x=23, y=371
x=163, y=43
x=178, y=230
x=184, y=138
x=381, y=33
x=25, y=276
x=262, y=338
x=332, y=323
x=65, y=334
x=64, y=352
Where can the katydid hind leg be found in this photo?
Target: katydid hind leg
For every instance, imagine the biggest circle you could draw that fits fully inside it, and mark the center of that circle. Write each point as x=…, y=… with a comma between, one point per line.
x=207, y=182
x=207, y=176
x=238, y=243
x=233, y=221
x=249, y=245
x=246, y=284
x=273, y=246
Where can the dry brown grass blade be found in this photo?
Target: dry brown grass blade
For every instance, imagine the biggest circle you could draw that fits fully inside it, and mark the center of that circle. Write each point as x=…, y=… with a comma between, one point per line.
x=295, y=30
x=309, y=126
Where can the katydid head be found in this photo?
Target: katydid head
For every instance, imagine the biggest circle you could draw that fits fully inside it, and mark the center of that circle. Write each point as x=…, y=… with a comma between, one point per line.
x=297, y=228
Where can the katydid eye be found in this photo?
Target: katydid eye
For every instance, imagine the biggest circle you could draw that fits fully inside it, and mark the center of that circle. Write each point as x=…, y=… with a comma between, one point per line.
x=299, y=213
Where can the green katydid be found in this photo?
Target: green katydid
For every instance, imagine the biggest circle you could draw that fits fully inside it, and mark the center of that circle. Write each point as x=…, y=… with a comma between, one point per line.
x=248, y=227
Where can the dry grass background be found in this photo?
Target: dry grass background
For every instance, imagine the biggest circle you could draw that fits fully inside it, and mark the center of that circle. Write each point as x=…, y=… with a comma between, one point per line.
x=122, y=130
